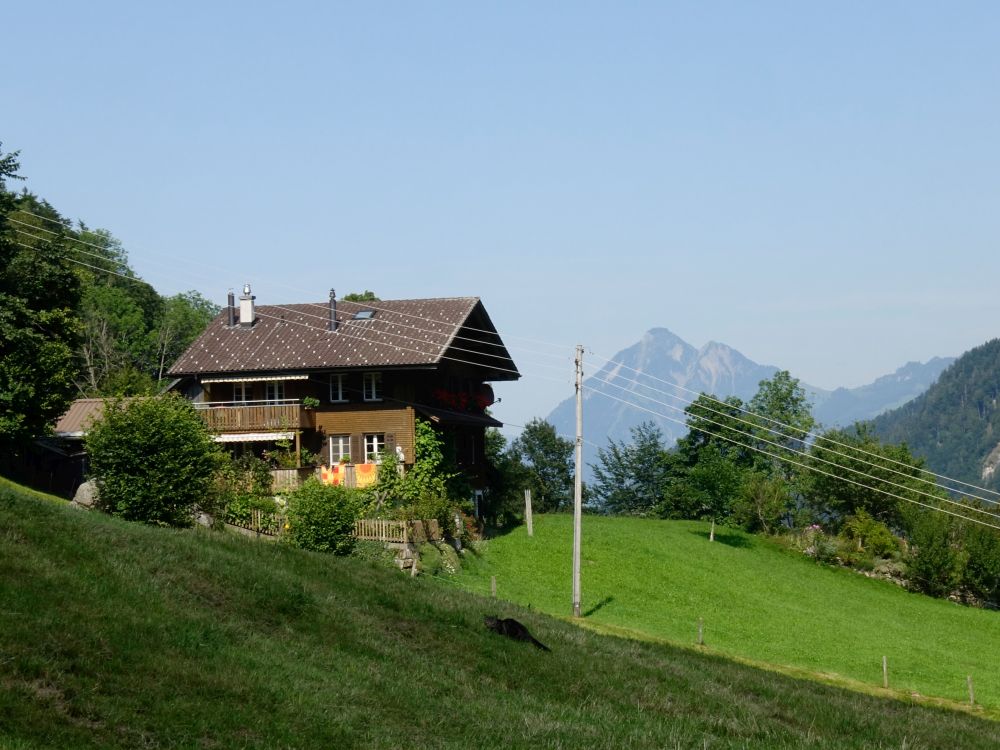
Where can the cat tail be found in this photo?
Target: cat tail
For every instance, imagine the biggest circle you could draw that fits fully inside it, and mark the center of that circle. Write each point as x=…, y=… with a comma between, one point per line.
x=539, y=644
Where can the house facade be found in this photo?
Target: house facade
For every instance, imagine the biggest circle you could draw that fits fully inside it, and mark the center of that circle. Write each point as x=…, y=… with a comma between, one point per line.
x=347, y=380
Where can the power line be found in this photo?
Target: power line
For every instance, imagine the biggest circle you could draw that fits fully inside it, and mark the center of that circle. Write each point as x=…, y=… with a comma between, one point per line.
x=806, y=466
x=804, y=433
x=919, y=478
x=825, y=461
x=300, y=289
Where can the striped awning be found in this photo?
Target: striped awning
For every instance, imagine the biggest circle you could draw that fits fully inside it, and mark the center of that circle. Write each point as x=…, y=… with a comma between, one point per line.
x=254, y=378
x=252, y=437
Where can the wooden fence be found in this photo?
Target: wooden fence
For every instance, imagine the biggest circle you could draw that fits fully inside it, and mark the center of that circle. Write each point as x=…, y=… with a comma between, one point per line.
x=381, y=530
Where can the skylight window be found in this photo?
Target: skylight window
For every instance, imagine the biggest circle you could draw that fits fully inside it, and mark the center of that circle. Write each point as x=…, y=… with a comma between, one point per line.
x=364, y=315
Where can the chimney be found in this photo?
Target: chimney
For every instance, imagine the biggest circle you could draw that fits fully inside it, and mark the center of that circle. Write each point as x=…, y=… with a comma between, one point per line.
x=333, y=310
x=247, y=316
x=231, y=309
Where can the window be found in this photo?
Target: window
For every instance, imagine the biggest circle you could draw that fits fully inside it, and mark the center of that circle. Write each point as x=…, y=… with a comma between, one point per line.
x=374, y=445
x=241, y=392
x=340, y=447
x=275, y=391
x=373, y=386
x=364, y=315
x=338, y=394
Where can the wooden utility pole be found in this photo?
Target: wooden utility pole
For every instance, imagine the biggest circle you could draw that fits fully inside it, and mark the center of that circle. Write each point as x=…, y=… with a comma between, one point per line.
x=578, y=482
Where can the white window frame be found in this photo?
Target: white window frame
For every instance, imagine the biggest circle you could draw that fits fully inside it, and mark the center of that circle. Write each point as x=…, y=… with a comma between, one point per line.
x=372, y=386
x=374, y=443
x=241, y=392
x=274, y=391
x=343, y=448
x=338, y=394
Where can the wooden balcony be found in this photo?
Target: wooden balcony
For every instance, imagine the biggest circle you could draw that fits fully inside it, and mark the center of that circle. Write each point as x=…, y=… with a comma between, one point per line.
x=255, y=416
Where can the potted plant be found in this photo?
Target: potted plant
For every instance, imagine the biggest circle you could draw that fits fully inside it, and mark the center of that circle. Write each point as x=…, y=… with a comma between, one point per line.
x=309, y=402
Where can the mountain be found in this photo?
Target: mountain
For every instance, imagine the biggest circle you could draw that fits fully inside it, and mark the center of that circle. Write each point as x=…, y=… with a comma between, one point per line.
x=663, y=373
x=955, y=424
x=845, y=406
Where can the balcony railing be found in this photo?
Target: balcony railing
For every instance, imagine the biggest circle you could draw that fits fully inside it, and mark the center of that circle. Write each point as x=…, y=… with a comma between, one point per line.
x=252, y=416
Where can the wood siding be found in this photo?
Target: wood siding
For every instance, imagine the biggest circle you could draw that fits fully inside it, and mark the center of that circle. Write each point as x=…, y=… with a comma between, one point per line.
x=361, y=419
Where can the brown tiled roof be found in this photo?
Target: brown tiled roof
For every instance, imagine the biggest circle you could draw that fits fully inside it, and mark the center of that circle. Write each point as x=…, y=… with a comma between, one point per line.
x=297, y=337
x=81, y=414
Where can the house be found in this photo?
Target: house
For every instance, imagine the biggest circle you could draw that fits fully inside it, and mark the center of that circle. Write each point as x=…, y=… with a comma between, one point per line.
x=347, y=380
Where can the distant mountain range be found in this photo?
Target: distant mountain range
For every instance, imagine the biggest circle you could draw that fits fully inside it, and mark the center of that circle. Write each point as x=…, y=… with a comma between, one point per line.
x=663, y=373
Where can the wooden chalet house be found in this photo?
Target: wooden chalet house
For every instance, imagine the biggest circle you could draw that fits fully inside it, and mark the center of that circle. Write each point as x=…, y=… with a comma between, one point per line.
x=373, y=368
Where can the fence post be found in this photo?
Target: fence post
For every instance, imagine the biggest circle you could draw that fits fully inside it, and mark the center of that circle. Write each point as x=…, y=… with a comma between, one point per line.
x=701, y=631
x=527, y=512
x=493, y=586
x=972, y=693
x=885, y=672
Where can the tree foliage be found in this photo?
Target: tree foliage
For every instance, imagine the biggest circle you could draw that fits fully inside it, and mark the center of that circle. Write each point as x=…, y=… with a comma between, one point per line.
x=153, y=460
x=632, y=477
x=321, y=517
x=548, y=465
x=39, y=327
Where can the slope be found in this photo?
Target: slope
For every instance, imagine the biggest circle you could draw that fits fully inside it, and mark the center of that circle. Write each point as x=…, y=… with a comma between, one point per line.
x=121, y=636
x=955, y=424
x=758, y=601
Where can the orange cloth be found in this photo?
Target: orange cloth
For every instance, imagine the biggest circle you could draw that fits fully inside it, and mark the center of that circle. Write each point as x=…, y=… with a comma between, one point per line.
x=365, y=474
x=331, y=475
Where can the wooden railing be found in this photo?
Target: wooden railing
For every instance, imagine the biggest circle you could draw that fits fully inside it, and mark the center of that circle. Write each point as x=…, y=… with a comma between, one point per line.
x=381, y=530
x=249, y=416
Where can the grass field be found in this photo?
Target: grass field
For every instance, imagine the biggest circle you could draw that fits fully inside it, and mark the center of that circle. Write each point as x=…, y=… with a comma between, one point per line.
x=758, y=601
x=115, y=635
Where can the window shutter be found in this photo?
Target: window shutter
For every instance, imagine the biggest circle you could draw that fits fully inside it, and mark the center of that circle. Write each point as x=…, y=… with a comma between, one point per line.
x=357, y=449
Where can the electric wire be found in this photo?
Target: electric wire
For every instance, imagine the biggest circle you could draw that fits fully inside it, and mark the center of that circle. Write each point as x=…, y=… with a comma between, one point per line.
x=781, y=447
x=287, y=286
x=805, y=466
x=924, y=477
x=805, y=433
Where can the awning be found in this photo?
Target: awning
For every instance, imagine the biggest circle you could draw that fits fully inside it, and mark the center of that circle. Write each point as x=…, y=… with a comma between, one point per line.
x=447, y=416
x=252, y=437
x=254, y=378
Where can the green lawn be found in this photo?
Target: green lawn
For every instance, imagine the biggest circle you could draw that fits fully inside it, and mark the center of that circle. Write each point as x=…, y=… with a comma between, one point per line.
x=116, y=635
x=758, y=601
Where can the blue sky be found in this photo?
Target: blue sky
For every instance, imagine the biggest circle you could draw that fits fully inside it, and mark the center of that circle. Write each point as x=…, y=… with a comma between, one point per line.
x=816, y=185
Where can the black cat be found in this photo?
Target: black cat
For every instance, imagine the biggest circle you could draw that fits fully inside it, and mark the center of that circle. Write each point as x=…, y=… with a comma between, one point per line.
x=512, y=629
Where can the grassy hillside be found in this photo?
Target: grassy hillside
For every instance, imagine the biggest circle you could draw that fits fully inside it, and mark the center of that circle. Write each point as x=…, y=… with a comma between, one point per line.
x=121, y=636
x=758, y=602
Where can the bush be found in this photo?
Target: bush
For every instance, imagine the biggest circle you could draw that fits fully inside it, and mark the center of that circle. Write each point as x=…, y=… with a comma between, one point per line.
x=321, y=517
x=153, y=460
x=869, y=534
x=981, y=576
x=934, y=565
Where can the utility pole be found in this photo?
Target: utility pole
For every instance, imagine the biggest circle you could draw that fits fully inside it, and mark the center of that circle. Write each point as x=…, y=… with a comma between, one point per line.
x=578, y=482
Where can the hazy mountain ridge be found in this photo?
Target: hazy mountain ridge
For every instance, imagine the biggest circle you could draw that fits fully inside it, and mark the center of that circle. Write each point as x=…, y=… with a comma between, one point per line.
x=663, y=373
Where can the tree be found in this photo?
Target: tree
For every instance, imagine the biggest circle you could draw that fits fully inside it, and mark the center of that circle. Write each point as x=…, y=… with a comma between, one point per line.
x=548, y=463
x=632, y=477
x=184, y=317
x=721, y=427
x=781, y=410
x=153, y=459
x=855, y=471
x=39, y=328
x=366, y=296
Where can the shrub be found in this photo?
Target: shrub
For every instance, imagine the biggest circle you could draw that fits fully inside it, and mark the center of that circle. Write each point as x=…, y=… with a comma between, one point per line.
x=981, y=576
x=153, y=460
x=321, y=517
x=934, y=565
x=870, y=534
